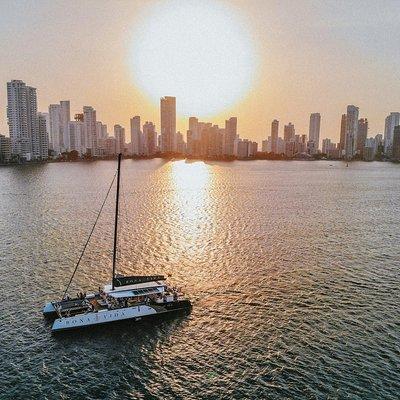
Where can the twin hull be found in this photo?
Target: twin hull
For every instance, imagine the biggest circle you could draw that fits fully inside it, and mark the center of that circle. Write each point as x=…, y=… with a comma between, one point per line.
x=107, y=316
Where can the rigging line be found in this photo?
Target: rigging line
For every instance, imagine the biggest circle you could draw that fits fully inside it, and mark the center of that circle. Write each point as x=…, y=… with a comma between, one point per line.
x=90, y=235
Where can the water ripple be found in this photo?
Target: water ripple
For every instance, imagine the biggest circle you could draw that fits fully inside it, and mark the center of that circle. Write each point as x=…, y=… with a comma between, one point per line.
x=292, y=268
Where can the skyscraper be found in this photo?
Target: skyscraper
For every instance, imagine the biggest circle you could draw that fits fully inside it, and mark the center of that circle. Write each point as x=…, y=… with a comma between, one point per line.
x=288, y=132
x=396, y=143
x=136, y=136
x=274, y=136
x=41, y=145
x=119, y=133
x=89, y=120
x=230, y=136
x=168, y=123
x=101, y=130
x=59, y=116
x=362, y=132
x=351, y=132
x=55, y=129
x=194, y=127
x=65, y=118
x=342, y=135
x=314, y=129
x=76, y=133
x=149, y=138
x=392, y=120
x=22, y=119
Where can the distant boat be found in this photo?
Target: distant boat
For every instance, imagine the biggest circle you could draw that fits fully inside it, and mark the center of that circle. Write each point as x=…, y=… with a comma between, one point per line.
x=125, y=298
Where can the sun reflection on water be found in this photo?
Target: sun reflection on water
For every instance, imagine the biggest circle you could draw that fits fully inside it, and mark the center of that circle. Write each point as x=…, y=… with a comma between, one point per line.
x=191, y=183
x=191, y=197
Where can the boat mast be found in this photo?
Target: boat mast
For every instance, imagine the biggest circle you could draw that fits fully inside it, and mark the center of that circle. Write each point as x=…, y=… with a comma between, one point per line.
x=116, y=220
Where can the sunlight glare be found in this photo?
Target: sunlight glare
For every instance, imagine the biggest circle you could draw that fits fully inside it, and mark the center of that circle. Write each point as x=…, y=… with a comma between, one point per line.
x=200, y=52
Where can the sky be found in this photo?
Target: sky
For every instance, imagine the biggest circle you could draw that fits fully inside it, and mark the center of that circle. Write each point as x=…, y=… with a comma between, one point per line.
x=303, y=57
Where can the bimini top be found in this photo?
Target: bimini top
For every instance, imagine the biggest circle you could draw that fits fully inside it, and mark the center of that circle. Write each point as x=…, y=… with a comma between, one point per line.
x=138, y=286
x=136, y=293
x=132, y=280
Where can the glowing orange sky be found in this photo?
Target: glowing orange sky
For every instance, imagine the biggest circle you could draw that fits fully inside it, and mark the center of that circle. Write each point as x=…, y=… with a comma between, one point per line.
x=315, y=57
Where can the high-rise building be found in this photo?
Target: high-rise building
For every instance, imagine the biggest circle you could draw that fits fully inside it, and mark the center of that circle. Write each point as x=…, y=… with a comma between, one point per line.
x=59, y=119
x=288, y=132
x=230, y=136
x=311, y=147
x=391, y=121
x=149, y=138
x=396, y=143
x=314, y=129
x=65, y=118
x=180, y=145
x=22, y=119
x=379, y=139
x=192, y=136
x=76, y=133
x=168, y=123
x=194, y=127
x=274, y=136
x=41, y=145
x=342, y=135
x=266, y=145
x=329, y=148
x=110, y=146
x=119, y=134
x=369, y=149
x=136, y=136
x=101, y=131
x=90, y=138
x=351, y=132
x=362, y=132
x=245, y=148
x=55, y=128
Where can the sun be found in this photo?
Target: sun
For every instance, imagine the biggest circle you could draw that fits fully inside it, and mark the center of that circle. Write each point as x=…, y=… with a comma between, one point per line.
x=201, y=52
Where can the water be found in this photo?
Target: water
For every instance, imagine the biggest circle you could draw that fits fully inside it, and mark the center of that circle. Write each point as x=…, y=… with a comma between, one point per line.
x=293, y=268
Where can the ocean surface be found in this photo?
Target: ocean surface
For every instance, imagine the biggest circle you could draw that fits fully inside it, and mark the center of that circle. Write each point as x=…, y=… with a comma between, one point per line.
x=293, y=269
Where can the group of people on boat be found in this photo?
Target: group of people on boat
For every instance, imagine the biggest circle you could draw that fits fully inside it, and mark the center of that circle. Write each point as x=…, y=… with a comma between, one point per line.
x=101, y=300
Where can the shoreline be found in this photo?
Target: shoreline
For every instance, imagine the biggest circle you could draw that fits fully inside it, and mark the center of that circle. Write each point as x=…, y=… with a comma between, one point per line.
x=189, y=159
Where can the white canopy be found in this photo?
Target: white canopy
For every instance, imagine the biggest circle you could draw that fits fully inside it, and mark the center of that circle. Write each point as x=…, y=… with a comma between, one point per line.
x=135, y=293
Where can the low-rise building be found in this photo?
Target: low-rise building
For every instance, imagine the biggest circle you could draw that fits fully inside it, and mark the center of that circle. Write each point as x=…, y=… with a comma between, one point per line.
x=5, y=149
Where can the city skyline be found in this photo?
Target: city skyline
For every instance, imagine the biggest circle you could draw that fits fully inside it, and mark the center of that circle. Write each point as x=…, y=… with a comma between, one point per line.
x=281, y=90
x=35, y=135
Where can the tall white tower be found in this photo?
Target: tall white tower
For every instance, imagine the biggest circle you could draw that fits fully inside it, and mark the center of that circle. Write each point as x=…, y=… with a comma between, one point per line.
x=89, y=122
x=350, y=145
x=41, y=149
x=168, y=123
x=65, y=118
x=55, y=129
x=22, y=119
x=314, y=129
x=119, y=133
x=392, y=120
x=136, y=136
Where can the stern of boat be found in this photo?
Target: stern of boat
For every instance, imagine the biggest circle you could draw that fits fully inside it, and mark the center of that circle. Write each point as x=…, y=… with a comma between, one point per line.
x=49, y=310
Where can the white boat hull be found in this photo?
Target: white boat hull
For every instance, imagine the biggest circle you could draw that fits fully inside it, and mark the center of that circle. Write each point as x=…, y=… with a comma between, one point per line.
x=102, y=317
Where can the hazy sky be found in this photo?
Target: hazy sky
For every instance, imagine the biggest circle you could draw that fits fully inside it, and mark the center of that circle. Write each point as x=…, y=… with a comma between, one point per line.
x=313, y=56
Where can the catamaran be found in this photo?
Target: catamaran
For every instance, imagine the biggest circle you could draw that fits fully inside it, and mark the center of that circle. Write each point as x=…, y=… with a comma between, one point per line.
x=125, y=298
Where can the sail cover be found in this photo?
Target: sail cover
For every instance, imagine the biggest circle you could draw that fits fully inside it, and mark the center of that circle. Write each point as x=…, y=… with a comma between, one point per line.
x=132, y=280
